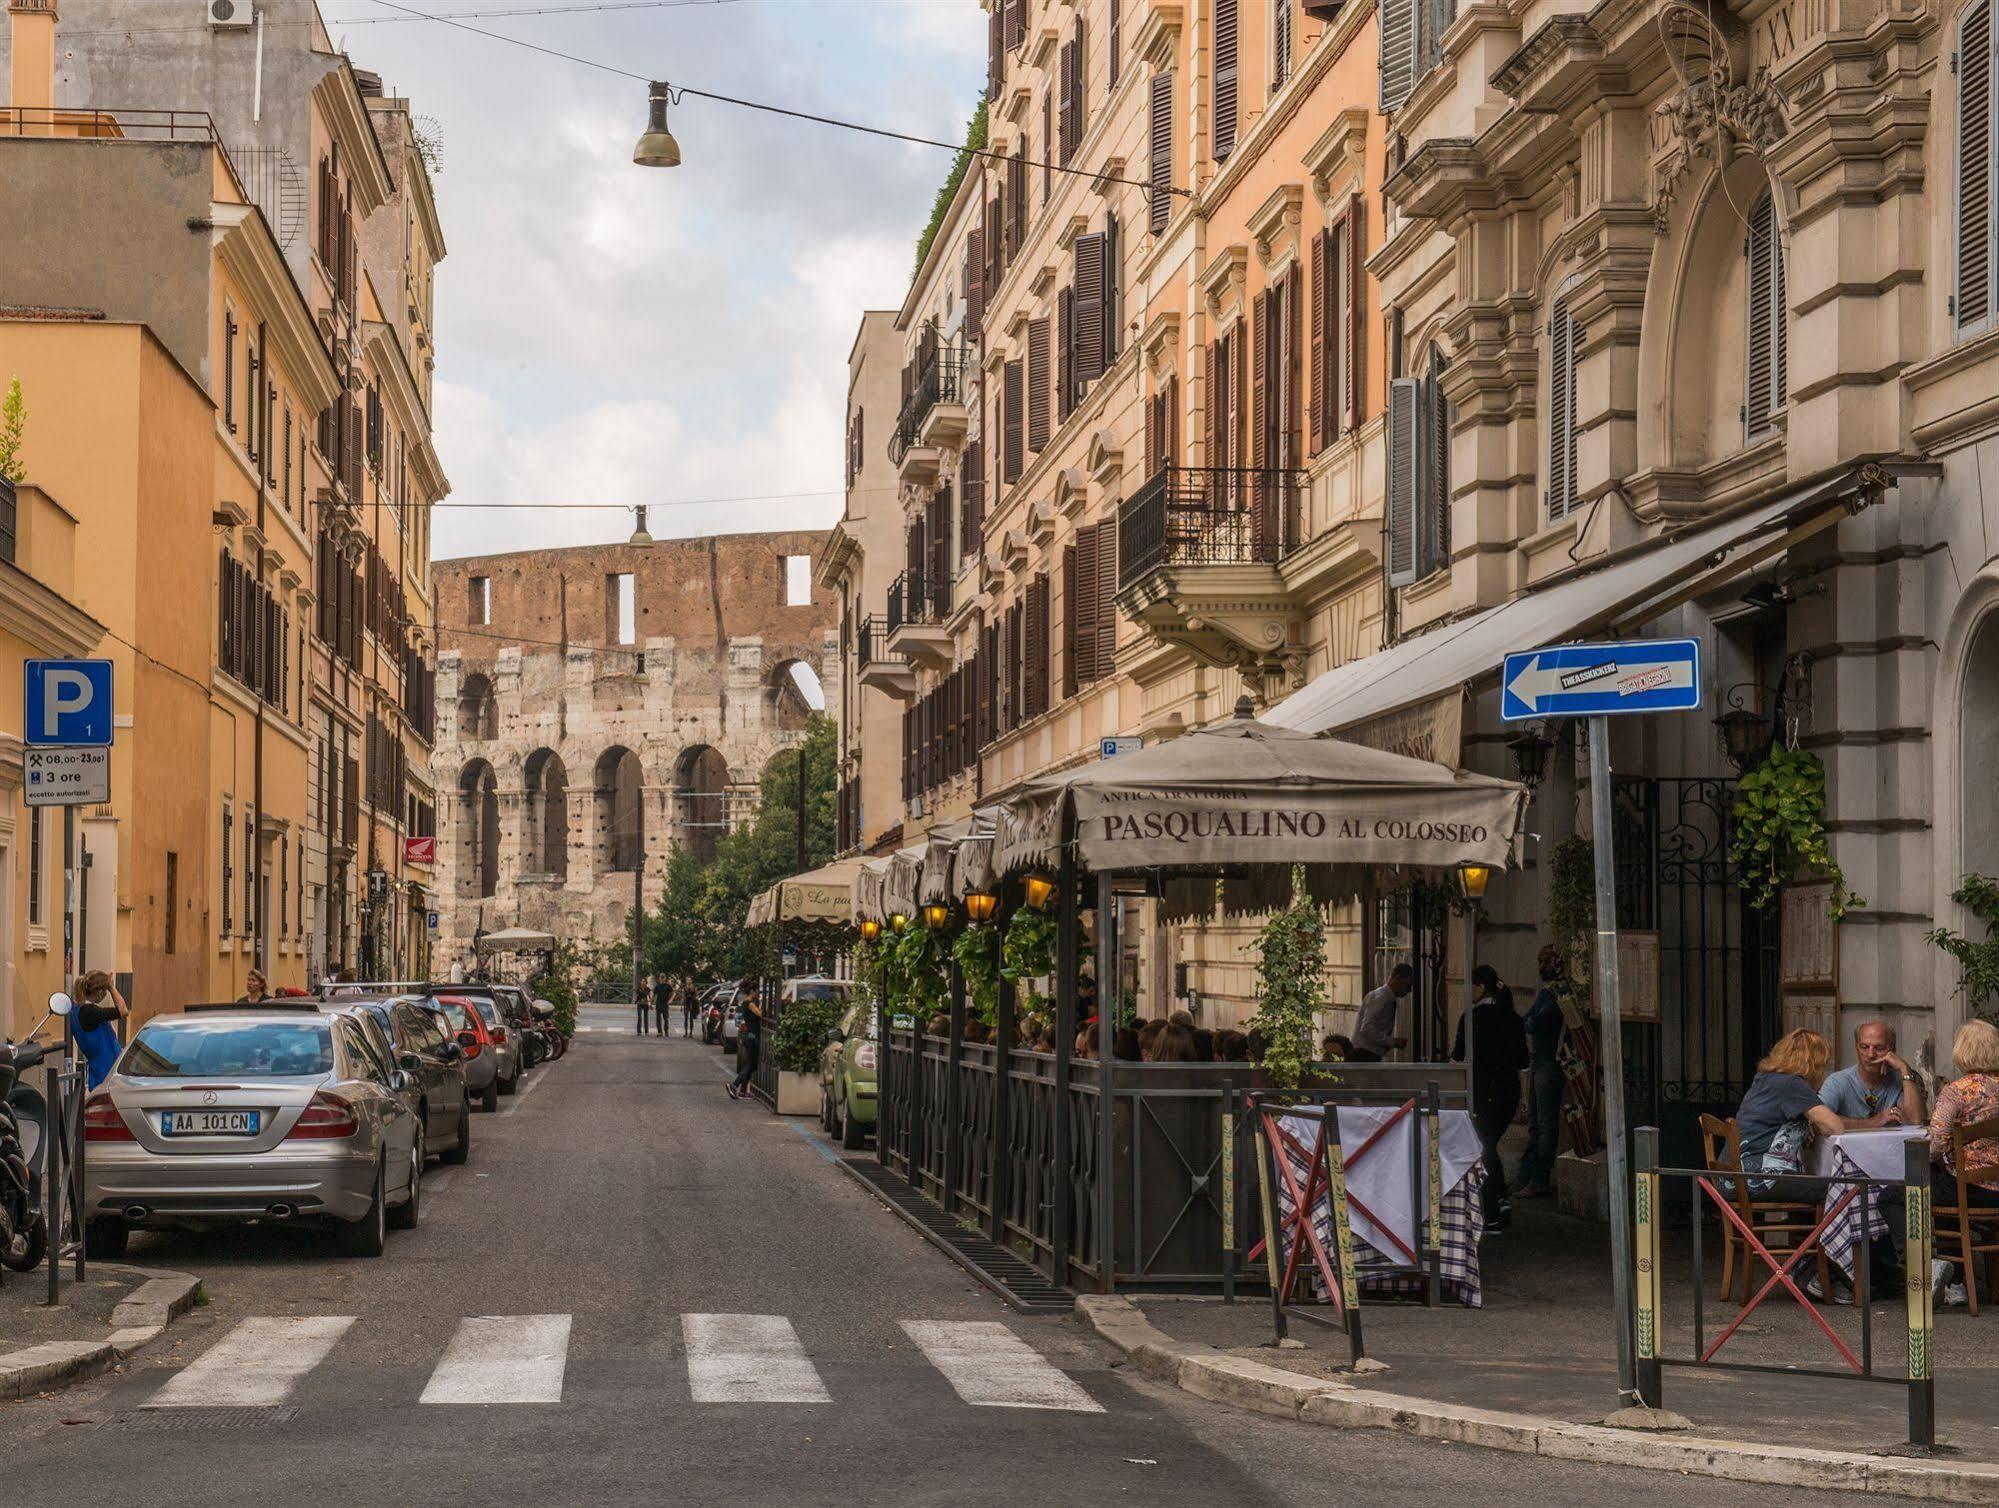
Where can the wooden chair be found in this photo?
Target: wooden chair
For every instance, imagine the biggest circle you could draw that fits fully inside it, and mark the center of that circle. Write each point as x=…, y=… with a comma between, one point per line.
x=1966, y=1231
x=1772, y=1220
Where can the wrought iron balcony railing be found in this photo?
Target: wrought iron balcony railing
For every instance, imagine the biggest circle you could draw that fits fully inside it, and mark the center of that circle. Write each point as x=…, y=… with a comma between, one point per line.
x=870, y=642
x=1193, y=515
x=912, y=599
x=942, y=381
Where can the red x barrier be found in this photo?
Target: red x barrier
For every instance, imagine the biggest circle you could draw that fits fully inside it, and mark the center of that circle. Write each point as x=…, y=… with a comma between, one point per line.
x=1782, y=1274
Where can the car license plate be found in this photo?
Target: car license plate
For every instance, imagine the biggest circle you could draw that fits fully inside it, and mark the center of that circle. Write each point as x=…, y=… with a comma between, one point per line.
x=211, y=1122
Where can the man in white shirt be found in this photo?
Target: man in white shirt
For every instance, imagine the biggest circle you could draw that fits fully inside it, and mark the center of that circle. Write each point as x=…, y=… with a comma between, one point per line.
x=1374, y=1028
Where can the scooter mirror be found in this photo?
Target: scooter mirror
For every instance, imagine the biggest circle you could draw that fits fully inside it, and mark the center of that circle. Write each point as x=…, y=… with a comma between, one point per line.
x=61, y=1004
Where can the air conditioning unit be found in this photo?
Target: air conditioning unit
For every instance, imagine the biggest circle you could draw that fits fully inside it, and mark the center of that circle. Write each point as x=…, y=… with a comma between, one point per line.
x=230, y=13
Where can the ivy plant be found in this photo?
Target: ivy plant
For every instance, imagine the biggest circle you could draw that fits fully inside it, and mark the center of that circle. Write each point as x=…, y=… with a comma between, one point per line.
x=973, y=949
x=1779, y=821
x=13, y=423
x=1978, y=894
x=1028, y=953
x=919, y=958
x=1291, y=971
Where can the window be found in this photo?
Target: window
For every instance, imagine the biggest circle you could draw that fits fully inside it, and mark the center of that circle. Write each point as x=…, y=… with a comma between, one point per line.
x=798, y=581
x=1410, y=35
x=1280, y=43
x=170, y=928
x=480, y=593
x=229, y=368
x=228, y=871
x=284, y=886
x=621, y=624
x=1038, y=384
x=38, y=864
x=1159, y=204
x=1013, y=398
x=1338, y=392
x=1227, y=76
x=1419, y=484
x=1561, y=488
x=1089, y=612
x=1977, y=192
x=1073, y=76
x=1768, y=336
x=249, y=876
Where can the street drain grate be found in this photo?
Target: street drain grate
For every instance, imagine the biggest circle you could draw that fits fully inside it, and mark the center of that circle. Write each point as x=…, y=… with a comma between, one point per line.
x=1020, y=1283
x=186, y=1421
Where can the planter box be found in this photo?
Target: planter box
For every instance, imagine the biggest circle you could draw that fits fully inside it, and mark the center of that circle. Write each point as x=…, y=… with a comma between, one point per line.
x=797, y=1093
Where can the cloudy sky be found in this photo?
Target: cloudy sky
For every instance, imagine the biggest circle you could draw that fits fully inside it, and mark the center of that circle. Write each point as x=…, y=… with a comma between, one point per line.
x=609, y=334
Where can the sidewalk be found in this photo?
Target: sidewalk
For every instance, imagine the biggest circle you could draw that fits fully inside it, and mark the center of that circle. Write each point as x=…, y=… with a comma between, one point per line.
x=99, y=1323
x=1543, y=1346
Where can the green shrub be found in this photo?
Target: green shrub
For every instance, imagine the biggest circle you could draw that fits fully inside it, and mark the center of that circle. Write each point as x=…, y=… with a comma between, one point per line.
x=799, y=1037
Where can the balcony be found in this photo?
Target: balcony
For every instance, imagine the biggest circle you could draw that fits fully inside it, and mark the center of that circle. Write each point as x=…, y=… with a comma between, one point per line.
x=933, y=418
x=878, y=668
x=1198, y=557
x=915, y=620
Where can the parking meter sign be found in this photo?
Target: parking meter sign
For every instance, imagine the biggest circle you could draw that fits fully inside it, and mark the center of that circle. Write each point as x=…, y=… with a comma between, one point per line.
x=67, y=702
x=66, y=777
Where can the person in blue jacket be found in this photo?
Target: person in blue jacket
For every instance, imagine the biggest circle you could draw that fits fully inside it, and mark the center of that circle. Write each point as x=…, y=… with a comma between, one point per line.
x=94, y=1021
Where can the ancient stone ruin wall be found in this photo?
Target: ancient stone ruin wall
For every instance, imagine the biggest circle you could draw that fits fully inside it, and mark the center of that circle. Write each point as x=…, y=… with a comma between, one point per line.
x=587, y=723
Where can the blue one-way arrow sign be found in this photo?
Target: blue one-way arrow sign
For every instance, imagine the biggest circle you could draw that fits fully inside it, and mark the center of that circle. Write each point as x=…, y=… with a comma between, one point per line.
x=1582, y=680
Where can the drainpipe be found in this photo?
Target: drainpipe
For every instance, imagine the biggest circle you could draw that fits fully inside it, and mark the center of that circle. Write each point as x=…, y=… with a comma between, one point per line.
x=260, y=427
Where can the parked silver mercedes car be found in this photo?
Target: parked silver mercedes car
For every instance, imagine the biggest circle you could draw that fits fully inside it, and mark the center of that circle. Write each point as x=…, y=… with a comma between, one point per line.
x=224, y=1115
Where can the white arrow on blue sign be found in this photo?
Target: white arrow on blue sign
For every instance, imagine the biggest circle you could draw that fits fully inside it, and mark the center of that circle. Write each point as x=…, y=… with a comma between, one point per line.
x=1591, y=680
x=67, y=702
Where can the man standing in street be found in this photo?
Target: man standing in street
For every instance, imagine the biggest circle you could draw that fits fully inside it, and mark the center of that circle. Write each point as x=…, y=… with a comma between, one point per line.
x=749, y=1040
x=1878, y=1082
x=1374, y=1033
x=662, y=1004
x=690, y=1001
x=644, y=1002
x=1545, y=1023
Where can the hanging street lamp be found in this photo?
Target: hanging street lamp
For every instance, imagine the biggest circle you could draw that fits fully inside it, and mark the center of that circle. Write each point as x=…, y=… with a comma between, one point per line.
x=657, y=148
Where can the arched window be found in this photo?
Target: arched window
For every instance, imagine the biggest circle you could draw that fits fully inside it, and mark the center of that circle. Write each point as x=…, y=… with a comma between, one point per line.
x=1767, y=336
x=700, y=800
x=620, y=820
x=547, y=826
x=1561, y=488
x=478, y=710
x=1977, y=200
x=479, y=831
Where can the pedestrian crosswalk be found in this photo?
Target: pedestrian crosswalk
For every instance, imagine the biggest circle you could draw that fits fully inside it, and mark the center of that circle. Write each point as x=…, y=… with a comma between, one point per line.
x=751, y=1359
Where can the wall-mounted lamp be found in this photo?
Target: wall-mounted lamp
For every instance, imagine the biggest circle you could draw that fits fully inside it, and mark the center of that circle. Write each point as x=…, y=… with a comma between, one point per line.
x=936, y=916
x=1040, y=891
x=981, y=905
x=1530, y=755
x=870, y=928
x=897, y=921
x=1472, y=880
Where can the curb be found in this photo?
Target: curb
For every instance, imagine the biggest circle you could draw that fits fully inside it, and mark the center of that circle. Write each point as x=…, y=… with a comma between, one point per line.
x=139, y=1317
x=1206, y=1372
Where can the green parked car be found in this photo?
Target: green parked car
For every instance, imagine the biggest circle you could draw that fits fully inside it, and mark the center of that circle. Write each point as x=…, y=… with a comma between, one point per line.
x=847, y=1077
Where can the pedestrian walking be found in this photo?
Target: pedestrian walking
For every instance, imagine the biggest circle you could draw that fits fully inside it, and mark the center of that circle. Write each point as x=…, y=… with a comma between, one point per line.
x=94, y=1021
x=690, y=1004
x=749, y=1041
x=1374, y=1031
x=1544, y=1025
x=643, y=1001
x=1499, y=1053
x=662, y=1004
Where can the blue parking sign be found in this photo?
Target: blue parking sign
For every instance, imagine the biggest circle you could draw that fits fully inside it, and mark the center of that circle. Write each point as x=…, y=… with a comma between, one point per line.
x=68, y=702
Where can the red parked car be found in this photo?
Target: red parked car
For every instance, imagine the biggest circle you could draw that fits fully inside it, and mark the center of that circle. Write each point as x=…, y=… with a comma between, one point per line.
x=483, y=1069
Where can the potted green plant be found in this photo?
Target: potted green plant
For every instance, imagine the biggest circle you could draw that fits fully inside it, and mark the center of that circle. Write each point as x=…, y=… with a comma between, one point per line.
x=797, y=1042
x=1978, y=958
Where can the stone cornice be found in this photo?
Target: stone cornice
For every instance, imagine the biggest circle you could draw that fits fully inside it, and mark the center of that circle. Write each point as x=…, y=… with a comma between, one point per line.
x=243, y=241
x=1340, y=149
x=1228, y=269
x=1277, y=214
x=347, y=117
x=1550, y=54
x=379, y=340
x=1445, y=177
x=1157, y=43
x=43, y=619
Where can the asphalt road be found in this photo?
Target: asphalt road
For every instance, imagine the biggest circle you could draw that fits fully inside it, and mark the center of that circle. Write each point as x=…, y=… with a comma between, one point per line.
x=619, y=1193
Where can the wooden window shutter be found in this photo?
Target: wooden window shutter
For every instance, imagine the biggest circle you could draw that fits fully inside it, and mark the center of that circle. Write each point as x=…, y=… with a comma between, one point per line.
x=975, y=284
x=1048, y=145
x=1106, y=599
x=1561, y=411
x=1433, y=472
x=1228, y=73
x=1065, y=142
x=1316, y=400
x=1116, y=40
x=972, y=498
x=1280, y=44
x=1113, y=297
x=1171, y=433
x=1155, y=419
x=995, y=238
x=1261, y=364
x=1037, y=645
x=1291, y=418
x=1072, y=617
x=982, y=704
x=1013, y=417
x=995, y=52
x=1764, y=388
x=1038, y=376
x=1016, y=654
x=1238, y=341
x=1354, y=377
x=1087, y=586
x=1212, y=403
x=1397, y=25
x=1079, y=90
x=1975, y=165
x=1159, y=210
x=1065, y=354
x=1401, y=490
x=1089, y=270
x=1016, y=201
x=938, y=580
x=1016, y=23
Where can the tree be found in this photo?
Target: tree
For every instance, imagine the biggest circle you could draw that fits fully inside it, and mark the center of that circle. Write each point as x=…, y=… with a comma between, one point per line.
x=13, y=421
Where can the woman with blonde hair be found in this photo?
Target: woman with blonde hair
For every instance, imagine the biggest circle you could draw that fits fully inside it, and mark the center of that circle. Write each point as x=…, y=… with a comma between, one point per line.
x=94, y=1021
x=1782, y=1112
x=1971, y=1097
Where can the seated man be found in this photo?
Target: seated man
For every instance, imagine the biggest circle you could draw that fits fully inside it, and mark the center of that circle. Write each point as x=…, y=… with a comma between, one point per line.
x=1879, y=1089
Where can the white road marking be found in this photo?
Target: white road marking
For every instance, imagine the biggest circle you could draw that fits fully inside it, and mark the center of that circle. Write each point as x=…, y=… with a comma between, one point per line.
x=748, y=1358
x=991, y=1367
x=255, y=1365
x=515, y=1358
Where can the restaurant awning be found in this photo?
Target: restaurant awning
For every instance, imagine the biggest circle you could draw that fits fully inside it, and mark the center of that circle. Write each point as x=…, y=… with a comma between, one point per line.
x=870, y=889
x=1408, y=697
x=945, y=853
x=516, y=940
x=1244, y=792
x=905, y=870
x=825, y=894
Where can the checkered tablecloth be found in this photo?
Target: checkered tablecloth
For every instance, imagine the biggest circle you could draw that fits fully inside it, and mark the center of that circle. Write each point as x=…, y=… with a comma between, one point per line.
x=1842, y=1238
x=1463, y=1212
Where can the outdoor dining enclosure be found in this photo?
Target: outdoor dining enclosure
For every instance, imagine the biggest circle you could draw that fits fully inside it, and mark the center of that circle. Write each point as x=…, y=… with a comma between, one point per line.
x=1104, y=1172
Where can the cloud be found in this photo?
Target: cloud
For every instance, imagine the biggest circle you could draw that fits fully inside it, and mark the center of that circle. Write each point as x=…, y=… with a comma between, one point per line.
x=608, y=334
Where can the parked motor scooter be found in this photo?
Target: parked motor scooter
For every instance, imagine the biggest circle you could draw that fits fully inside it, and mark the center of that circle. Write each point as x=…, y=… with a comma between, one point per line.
x=544, y=1016
x=23, y=1141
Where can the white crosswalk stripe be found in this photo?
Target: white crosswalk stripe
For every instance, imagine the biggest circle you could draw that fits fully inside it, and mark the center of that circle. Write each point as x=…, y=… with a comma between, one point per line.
x=748, y=1358
x=509, y=1358
x=991, y=1367
x=257, y=1364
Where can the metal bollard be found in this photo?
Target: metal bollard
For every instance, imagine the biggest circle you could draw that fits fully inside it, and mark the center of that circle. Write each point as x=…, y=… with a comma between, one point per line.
x=1922, y=1302
x=1647, y=1215
x=1336, y=1198
x=1230, y=1252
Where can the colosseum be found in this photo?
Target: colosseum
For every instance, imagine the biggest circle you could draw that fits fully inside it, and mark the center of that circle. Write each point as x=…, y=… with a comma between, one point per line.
x=600, y=707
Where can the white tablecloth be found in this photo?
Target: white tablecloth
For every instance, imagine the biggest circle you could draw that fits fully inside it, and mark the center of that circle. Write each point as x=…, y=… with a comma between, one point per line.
x=1383, y=1179
x=1877, y=1154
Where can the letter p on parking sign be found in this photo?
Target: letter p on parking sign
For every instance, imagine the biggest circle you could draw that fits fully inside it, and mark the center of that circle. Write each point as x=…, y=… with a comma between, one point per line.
x=68, y=702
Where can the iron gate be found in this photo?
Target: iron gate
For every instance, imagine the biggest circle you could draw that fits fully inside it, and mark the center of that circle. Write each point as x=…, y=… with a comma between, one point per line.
x=1718, y=1002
